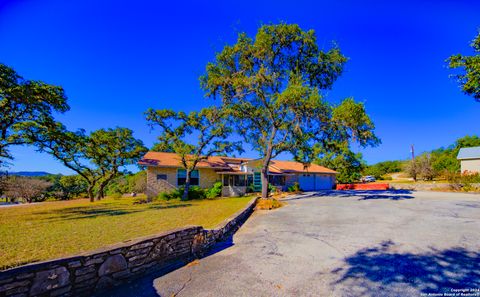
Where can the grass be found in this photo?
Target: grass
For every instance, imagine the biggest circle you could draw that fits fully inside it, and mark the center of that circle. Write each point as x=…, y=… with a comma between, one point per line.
x=30, y=233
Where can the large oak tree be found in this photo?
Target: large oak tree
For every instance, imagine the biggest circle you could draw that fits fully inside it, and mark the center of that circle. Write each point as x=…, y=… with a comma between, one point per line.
x=98, y=157
x=24, y=101
x=271, y=86
x=469, y=74
x=179, y=131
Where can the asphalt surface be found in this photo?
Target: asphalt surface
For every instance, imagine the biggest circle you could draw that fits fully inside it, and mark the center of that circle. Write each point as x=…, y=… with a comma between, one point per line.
x=363, y=243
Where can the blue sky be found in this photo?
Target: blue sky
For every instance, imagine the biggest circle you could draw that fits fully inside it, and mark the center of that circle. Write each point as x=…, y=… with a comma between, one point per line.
x=116, y=59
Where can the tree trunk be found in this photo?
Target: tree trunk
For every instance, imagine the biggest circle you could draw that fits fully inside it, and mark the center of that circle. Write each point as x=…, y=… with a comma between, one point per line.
x=101, y=189
x=264, y=176
x=187, y=185
x=90, y=193
x=264, y=182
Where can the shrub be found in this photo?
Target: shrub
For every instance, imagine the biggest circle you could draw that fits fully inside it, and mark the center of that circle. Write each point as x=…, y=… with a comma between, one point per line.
x=215, y=191
x=251, y=188
x=294, y=188
x=195, y=193
x=271, y=188
x=116, y=196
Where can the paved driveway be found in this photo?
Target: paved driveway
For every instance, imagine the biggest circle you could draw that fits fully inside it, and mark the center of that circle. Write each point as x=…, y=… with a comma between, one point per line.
x=340, y=244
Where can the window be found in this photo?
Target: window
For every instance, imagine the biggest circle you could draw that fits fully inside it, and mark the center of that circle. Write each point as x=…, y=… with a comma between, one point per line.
x=182, y=177
x=234, y=180
x=161, y=177
x=239, y=180
x=276, y=180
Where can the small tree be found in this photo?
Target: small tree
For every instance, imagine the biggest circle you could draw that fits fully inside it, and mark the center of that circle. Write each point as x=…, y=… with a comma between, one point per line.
x=209, y=125
x=469, y=76
x=24, y=101
x=411, y=168
x=26, y=188
x=425, y=168
x=111, y=150
x=271, y=87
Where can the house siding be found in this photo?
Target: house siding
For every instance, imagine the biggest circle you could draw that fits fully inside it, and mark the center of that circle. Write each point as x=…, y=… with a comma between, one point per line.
x=208, y=177
x=472, y=165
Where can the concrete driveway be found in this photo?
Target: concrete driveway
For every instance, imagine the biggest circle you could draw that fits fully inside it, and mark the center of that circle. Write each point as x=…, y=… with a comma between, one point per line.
x=340, y=244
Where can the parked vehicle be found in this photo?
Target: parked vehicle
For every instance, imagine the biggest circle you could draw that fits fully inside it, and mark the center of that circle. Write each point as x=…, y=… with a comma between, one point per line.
x=368, y=179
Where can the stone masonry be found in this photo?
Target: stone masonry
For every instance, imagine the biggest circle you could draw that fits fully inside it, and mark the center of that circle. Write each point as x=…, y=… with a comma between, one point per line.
x=99, y=270
x=208, y=177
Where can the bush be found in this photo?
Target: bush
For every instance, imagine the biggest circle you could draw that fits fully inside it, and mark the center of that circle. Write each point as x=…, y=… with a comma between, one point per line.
x=271, y=188
x=195, y=193
x=215, y=191
x=294, y=188
x=116, y=196
x=386, y=177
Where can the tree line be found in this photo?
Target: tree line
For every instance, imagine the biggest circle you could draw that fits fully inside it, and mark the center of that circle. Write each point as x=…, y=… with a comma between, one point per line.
x=268, y=89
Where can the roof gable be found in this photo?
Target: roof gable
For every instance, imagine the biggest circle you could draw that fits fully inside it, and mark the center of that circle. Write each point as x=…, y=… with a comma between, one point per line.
x=469, y=153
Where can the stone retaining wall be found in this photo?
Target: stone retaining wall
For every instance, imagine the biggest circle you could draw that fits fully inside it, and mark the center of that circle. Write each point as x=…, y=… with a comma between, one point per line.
x=99, y=270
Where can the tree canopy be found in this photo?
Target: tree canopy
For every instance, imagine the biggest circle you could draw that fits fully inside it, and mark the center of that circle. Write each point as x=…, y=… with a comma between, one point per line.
x=469, y=74
x=97, y=158
x=271, y=87
x=177, y=129
x=24, y=101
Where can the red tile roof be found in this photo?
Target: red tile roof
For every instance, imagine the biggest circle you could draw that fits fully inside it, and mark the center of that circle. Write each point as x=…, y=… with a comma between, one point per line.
x=161, y=159
x=225, y=164
x=297, y=167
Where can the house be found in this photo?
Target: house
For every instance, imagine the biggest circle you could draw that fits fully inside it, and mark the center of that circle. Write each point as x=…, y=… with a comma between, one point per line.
x=469, y=159
x=164, y=173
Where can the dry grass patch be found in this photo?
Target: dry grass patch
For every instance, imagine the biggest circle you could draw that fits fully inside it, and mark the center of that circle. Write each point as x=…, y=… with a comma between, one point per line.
x=269, y=203
x=37, y=232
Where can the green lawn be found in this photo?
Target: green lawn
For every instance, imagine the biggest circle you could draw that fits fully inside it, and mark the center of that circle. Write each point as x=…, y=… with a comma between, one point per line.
x=30, y=233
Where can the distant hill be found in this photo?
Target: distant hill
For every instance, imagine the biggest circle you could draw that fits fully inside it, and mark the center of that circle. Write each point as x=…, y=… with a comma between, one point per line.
x=30, y=173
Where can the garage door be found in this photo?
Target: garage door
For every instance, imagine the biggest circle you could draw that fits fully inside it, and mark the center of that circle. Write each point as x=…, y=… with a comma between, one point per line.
x=307, y=182
x=323, y=182
x=315, y=182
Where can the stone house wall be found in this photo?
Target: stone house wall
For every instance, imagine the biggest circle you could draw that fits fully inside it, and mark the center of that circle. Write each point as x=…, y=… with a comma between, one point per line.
x=99, y=270
x=155, y=186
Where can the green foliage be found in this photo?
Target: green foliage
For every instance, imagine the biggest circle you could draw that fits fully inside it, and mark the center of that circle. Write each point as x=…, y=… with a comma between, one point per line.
x=72, y=186
x=116, y=195
x=215, y=191
x=379, y=170
x=23, y=102
x=194, y=193
x=176, y=127
x=97, y=158
x=128, y=183
x=294, y=188
x=272, y=188
x=271, y=84
x=348, y=164
x=469, y=74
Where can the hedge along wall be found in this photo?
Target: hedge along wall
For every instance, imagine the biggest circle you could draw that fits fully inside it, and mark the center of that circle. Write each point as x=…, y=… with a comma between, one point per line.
x=99, y=270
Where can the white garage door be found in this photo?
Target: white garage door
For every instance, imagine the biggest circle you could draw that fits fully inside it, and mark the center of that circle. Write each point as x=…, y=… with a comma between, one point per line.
x=314, y=182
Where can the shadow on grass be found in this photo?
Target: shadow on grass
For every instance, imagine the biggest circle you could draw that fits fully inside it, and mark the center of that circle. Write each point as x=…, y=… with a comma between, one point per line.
x=379, y=269
x=360, y=194
x=94, y=211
